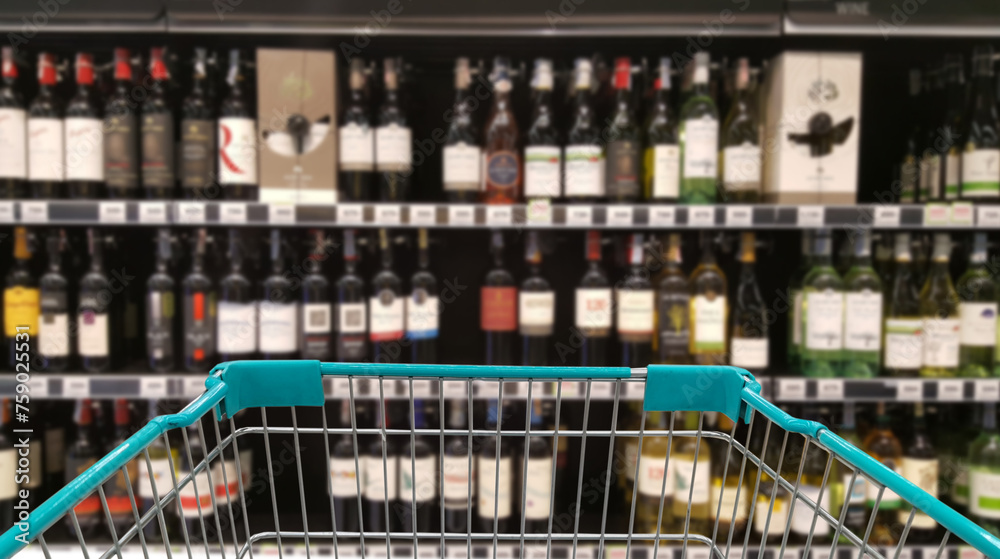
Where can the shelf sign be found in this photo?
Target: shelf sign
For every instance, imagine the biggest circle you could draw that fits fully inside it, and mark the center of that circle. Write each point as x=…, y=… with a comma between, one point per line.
x=662, y=216
x=909, y=390
x=739, y=216
x=76, y=387
x=232, y=212
x=387, y=214
x=6, y=212
x=538, y=212
x=190, y=212
x=701, y=216
x=951, y=390
x=280, y=213
x=936, y=214
x=988, y=216
x=499, y=216
x=961, y=214
x=152, y=212
x=830, y=390
x=461, y=215
x=350, y=214
x=811, y=216
x=792, y=389
x=987, y=390
x=886, y=216
x=153, y=387
x=423, y=214
x=580, y=215
x=34, y=212
x=619, y=216
x=111, y=212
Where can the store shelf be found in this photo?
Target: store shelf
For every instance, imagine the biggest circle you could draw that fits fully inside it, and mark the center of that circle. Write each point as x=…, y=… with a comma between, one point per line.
x=891, y=18
x=21, y=20
x=886, y=390
x=568, y=216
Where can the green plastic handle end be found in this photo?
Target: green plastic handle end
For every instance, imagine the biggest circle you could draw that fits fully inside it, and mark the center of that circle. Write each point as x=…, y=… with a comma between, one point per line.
x=699, y=388
x=257, y=384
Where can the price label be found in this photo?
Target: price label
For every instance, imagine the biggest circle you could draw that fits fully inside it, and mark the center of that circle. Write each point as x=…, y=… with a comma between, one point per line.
x=486, y=388
x=909, y=390
x=698, y=552
x=811, y=216
x=193, y=387
x=461, y=215
x=34, y=212
x=961, y=214
x=739, y=216
x=190, y=212
x=571, y=389
x=457, y=552
x=38, y=386
x=505, y=552
x=792, y=389
x=76, y=387
x=988, y=216
x=662, y=216
x=987, y=390
x=455, y=388
x=886, y=216
x=600, y=390
x=535, y=552
x=620, y=216
x=280, y=213
x=6, y=212
x=153, y=387
x=232, y=212
x=342, y=386
x=539, y=212
x=936, y=214
x=111, y=212
x=579, y=215
x=830, y=390
x=951, y=390
x=635, y=390
x=423, y=214
x=499, y=215
x=426, y=551
x=387, y=214
x=152, y=212
x=701, y=216
x=905, y=553
x=422, y=388
x=350, y=214
x=822, y=553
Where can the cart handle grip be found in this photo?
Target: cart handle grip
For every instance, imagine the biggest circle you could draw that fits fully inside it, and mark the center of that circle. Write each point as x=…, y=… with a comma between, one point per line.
x=699, y=388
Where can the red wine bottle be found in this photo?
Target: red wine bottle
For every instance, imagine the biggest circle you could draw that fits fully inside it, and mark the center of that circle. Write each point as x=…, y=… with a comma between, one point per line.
x=13, y=132
x=157, y=133
x=121, y=133
x=84, y=156
x=45, y=135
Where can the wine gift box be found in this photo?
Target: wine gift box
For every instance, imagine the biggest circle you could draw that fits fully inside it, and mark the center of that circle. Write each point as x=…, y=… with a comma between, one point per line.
x=812, y=120
x=296, y=102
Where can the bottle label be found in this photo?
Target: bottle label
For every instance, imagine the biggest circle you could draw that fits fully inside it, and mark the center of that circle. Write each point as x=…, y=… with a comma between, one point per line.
x=55, y=441
x=951, y=175
x=277, y=327
x=890, y=500
x=859, y=490
x=503, y=168
x=593, y=311
x=377, y=472
x=89, y=510
x=651, y=476
x=357, y=147
x=158, y=477
x=13, y=154
x=984, y=487
x=316, y=318
x=777, y=511
x=227, y=483
x=584, y=171
x=159, y=324
x=158, y=150
x=904, y=343
x=84, y=149
x=237, y=327
x=121, y=161
x=196, y=495
x=749, y=353
x=198, y=328
x=536, y=312
x=631, y=455
x=824, y=320
x=797, y=318
x=8, y=465
x=421, y=315
x=387, y=316
x=456, y=481
x=420, y=477
x=701, y=140
x=863, y=329
x=709, y=323
x=908, y=179
x=45, y=149
x=666, y=171
x=20, y=308
x=979, y=324
x=803, y=515
x=351, y=318
x=686, y=476
x=498, y=309
x=741, y=167
x=960, y=488
x=116, y=493
x=343, y=476
x=923, y=182
x=933, y=167
x=731, y=509
x=197, y=153
x=392, y=148
x=543, y=171
x=623, y=169
x=462, y=167
x=941, y=340
x=924, y=474
x=674, y=323
x=237, y=150
x=635, y=311
x=981, y=173
x=538, y=493
x=490, y=494
x=92, y=333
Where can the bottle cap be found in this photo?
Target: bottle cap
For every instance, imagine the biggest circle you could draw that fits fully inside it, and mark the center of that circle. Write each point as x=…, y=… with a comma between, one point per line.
x=623, y=73
x=9, y=68
x=501, y=74
x=542, y=78
x=742, y=73
x=350, y=252
x=593, y=246
x=635, y=250
x=748, y=247
x=583, y=73
x=391, y=76
x=46, y=69
x=84, y=69
x=121, y=412
x=663, y=80
x=701, y=61
x=357, y=74
x=123, y=68
x=463, y=76
x=157, y=68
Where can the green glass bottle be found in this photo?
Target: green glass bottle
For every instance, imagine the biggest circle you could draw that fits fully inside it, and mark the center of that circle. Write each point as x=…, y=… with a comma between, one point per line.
x=699, y=135
x=904, y=342
x=984, y=473
x=939, y=310
x=977, y=314
x=739, y=152
x=863, y=313
x=822, y=313
x=661, y=164
x=795, y=300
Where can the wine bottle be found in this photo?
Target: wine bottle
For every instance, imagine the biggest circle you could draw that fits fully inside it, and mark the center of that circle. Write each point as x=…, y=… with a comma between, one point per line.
x=904, y=344
x=862, y=312
x=84, y=157
x=422, y=308
x=160, y=308
x=226, y=476
x=237, y=137
x=813, y=484
x=623, y=160
x=357, y=141
x=381, y=477
x=459, y=469
x=93, y=312
x=693, y=477
x=118, y=491
x=153, y=481
x=462, y=156
x=908, y=170
x=495, y=477
x=198, y=142
x=823, y=313
x=237, y=310
x=196, y=508
x=984, y=473
x=740, y=143
x=498, y=308
x=418, y=479
x=940, y=313
x=770, y=511
x=199, y=311
x=502, y=157
x=278, y=308
x=344, y=480
x=538, y=493
x=673, y=309
x=46, y=170
x=13, y=131
x=920, y=467
x=316, y=328
x=953, y=127
x=750, y=329
x=699, y=138
x=635, y=308
x=157, y=133
x=393, y=145
x=351, y=310
x=932, y=150
x=662, y=165
x=883, y=446
x=709, y=309
x=977, y=314
x=20, y=305
x=53, y=325
x=8, y=462
x=82, y=454
x=795, y=300
x=981, y=153
x=655, y=495
x=593, y=312
x=731, y=516
x=854, y=494
x=536, y=311
x=542, y=153
x=121, y=133
x=386, y=308
x=585, y=165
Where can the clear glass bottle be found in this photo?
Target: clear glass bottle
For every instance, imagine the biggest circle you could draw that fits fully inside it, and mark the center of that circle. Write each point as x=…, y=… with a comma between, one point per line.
x=662, y=163
x=462, y=155
x=903, y=350
x=709, y=308
x=940, y=313
x=740, y=157
x=862, y=312
x=699, y=137
x=542, y=150
x=981, y=151
x=977, y=313
x=672, y=341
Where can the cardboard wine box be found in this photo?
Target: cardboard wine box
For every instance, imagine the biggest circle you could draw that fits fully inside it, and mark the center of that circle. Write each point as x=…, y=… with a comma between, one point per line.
x=812, y=122
x=296, y=112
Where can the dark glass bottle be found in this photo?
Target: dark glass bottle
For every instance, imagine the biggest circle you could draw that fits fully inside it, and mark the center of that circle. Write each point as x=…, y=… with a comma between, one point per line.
x=458, y=465
x=13, y=132
x=157, y=133
x=739, y=140
x=418, y=477
x=316, y=328
x=635, y=308
x=386, y=308
x=981, y=153
x=749, y=334
x=585, y=165
x=196, y=495
x=542, y=149
x=93, y=316
x=84, y=156
x=157, y=475
x=393, y=149
x=536, y=307
x=160, y=308
x=237, y=309
x=495, y=473
x=539, y=492
x=673, y=315
x=622, y=155
x=593, y=307
x=237, y=137
x=920, y=467
x=8, y=461
x=351, y=310
x=381, y=488
x=46, y=171
x=121, y=133
x=953, y=127
x=199, y=311
x=54, y=340
x=501, y=157
x=117, y=490
x=463, y=156
x=21, y=307
x=423, y=308
x=662, y=158
x=198, y=143
x=908, y=170
x=82, y=454
x=344, y=477
x=278, y=308
x=357, y=141
x=498, y=308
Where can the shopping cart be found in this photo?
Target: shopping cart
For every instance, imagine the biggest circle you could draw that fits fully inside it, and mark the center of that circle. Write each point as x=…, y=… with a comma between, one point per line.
x=776, y=457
